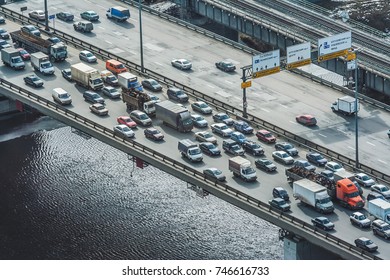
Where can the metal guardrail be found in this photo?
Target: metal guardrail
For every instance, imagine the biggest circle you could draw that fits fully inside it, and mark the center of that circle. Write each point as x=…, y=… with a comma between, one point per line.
x=255, y=121
x=190, y=171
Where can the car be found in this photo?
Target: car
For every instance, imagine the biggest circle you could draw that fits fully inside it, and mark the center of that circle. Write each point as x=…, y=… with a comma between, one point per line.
x=366, y=244
x=282, y=157
x=316, y=158
x=61, y=96
x=265, y=164
x=199, y=121
x=98, y=109
x=223, y=118
x=4, y=44
x=205, y=136
x=55, y=40
x=364, y=180
x=31, y=29
x=381, y=228
x=4, y=34
x=89, y=15
x=87, y=56
x=323, y=223
x=181, y=63
x=238, y=137
x=37, y=15
x=225, y=66
x=382, y=189
x=265, y=136
x=123, y=130
x=221, y=129
x=209, y=149
x=2, y=20
x=280, y=204
x=287, y=147
x=327, y=174
x=24, y=54
x=177, y=94
x=243, y=127
x=93, y=97
x=126, y=121
x=201, y=107
x=65, y=16
x=33, y=80
x=111, y=92
x=153, y=133
x=360, y=220
x=334, y=166
x=253, y=148
x=67, y=74
x=141, y=118
x=151, y=84
x=307, y=120
x=281, y=193
x=153, y=97
x=374, y=195
x=304, y=164
x=214, y=173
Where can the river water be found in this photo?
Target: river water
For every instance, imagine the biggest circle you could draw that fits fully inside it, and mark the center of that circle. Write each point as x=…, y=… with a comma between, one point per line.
x=65, y=197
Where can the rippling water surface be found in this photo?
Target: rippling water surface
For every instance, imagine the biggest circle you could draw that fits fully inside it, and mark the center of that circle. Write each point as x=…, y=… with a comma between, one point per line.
x=64, y=197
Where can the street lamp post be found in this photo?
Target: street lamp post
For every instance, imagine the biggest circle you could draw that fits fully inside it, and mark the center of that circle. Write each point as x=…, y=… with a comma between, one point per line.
x=140, y=36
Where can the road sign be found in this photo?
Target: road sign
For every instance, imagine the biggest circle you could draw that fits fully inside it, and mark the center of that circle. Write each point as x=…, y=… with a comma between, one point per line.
x=246, y=84
x=335, y=43
x=298, y=55
x=23, y=9
x=265, y=61
x=52, y=16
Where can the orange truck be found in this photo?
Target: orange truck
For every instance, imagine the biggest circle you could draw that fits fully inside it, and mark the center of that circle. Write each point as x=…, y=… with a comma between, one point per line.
x=347, y=194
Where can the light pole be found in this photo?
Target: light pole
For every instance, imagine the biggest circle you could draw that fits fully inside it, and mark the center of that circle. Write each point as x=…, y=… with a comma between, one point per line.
x=46, y=17
x=140, y=36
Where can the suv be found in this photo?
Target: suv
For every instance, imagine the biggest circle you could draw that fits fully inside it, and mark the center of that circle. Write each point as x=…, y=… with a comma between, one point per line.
x=177, y=94
x=83, y=26
x=381, y=228
x=231, y=146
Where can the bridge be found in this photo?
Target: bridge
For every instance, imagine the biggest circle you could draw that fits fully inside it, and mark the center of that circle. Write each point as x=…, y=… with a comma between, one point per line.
x=285, y=23
x=248, y=197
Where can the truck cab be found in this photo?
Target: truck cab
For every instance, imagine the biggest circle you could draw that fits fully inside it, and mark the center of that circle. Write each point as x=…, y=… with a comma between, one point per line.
x=190, y=150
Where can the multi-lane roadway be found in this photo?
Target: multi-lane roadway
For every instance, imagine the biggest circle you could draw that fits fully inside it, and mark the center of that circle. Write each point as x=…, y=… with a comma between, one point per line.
x=277, y=99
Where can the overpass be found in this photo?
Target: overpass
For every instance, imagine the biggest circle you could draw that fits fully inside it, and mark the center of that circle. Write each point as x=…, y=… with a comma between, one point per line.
x=79, y=118
x=285, y=23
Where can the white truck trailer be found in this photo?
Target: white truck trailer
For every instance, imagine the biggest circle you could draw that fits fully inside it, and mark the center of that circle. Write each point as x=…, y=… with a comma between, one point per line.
x=242, y=168
x=380, y=209
x=313, y=194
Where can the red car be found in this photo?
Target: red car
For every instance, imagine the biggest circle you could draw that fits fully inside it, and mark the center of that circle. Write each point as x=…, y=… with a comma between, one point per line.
x=24, y=54
x=308, y=120
x=126, y=121
x=265, y=136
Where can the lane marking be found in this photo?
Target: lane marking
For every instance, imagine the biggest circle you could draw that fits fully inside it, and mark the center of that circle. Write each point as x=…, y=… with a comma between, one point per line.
x=322, y=135
x=369, y=143
x=265, y=110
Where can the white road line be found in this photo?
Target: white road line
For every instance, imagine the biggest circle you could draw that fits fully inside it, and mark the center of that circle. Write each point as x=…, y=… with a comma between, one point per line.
x=158, y=63
x=322, y=135
x=265, y=110
x=369, y=143
x=352, y=148
x=382, y=161
x=108, y=42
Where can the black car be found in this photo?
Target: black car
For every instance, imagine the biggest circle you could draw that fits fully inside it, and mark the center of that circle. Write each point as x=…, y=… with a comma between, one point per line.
x=67, y=74
x=225, y=66
x=154, y=134
x=316, y=159
x=253, y=148
x=265, y=164
x=286, y=147
x=209, y=149
x=323, y=223
x=281, y=193
x=366, y=244
x=65, y=16
x=93, y=97
x=33, y=80
x=279, y=203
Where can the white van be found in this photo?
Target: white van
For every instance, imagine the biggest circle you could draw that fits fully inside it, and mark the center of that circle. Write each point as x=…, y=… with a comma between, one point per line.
x=61, y=96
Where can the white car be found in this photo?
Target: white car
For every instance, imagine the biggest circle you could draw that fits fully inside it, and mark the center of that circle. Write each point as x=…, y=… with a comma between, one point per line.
x=181, y=63
x=334, y=166
x=87, y=56
x=124, y=130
